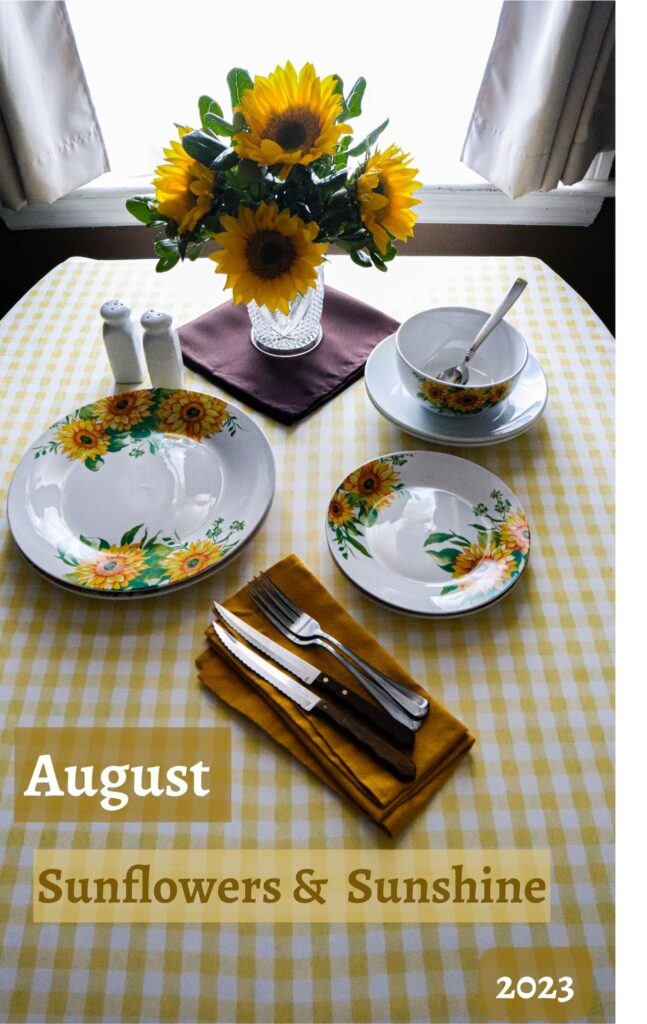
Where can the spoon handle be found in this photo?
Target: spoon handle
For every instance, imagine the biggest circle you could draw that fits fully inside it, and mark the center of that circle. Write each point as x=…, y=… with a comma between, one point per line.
x=506, y=303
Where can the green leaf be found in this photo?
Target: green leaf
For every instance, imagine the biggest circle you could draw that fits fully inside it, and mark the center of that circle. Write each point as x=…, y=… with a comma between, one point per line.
x=438, y=538
x=140, y=431
x=116, y=443
x=86, y=412
x=94, y=464
x=352, y=106
x=360, y=258
x=139, y=207
x=339, y=85
x=377, y=260
x=218, y=125
x=205, y=105
x=165, y=246
x=369, y=140
x=228, y=158
x=445, y=557
x=356, y=544
x=130, y=535
x=202, y=147
x=239, y=82
x=166, y=263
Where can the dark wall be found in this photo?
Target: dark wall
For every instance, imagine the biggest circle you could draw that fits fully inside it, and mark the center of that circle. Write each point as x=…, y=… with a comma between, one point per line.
x=584, y=257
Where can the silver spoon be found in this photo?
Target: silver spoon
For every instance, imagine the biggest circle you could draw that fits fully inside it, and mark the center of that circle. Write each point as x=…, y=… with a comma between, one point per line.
x=460, y=374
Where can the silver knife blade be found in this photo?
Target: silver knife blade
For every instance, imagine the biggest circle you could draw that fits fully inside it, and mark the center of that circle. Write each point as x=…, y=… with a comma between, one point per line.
x=306, y=699
x=299, y=667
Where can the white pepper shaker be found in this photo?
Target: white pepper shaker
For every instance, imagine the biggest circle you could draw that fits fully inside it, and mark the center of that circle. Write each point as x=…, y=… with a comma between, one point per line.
x=162, y=350
x=123, y=343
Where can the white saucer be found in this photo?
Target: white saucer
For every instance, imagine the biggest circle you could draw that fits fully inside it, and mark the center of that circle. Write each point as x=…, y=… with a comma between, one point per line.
x=523, y=406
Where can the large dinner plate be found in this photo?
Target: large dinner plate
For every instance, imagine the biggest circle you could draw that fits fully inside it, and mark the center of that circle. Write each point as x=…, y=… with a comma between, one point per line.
x=141, y=492
x=428, y=533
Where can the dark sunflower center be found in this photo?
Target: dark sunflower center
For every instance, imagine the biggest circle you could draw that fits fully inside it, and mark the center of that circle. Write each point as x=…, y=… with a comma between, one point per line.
x=192, y=562
x=85, y=439
x=295, y=128
x=109, y=565
x=269, y=253
x=192, y=412
x=123, y=403
x=369, y=484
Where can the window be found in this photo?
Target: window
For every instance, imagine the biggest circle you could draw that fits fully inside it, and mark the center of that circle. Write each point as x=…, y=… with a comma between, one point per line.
x=147, y=64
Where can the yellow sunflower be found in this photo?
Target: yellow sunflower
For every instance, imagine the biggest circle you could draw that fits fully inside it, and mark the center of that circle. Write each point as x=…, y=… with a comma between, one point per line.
x=82, y=439
x=291, y=118
x=114, y=568
x=268, y=257
x=192, y=415
x=374, y=482
x=192, y=559
x=466, y=400
x=435, y=393
x=515, y=533
x=125, y=410
x=183, y=186
x=385, y=194
x=340, y=510
x=483, y=567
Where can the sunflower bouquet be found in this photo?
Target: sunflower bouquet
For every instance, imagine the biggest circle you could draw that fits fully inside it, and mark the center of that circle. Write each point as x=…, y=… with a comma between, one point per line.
x=279, y=183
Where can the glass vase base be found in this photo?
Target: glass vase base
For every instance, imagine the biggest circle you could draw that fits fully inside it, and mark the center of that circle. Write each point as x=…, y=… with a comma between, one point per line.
x=286, y=348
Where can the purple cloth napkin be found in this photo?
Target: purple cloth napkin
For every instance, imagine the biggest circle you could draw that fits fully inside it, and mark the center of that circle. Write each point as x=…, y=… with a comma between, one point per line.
x=218, y=346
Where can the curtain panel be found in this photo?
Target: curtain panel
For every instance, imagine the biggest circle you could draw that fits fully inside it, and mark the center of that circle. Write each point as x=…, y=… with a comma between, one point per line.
x=50, y=139
x=546, y=104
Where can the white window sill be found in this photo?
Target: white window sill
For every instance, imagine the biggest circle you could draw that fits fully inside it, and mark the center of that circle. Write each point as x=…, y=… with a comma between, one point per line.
x=102, y=203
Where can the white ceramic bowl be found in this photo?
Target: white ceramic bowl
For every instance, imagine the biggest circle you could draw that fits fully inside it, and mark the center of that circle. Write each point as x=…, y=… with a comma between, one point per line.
x=436, y=339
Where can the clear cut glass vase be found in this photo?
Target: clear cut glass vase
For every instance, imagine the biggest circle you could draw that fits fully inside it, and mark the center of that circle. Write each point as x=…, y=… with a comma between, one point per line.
x=294, y=333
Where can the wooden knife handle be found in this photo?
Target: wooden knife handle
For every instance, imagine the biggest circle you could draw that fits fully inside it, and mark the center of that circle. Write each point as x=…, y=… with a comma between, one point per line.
x=399, y=764
x=398, y=734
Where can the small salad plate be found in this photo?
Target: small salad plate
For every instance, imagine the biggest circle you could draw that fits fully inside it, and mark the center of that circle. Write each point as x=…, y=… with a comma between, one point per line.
x=428, y=533
x=141, y=493
x=512, y=417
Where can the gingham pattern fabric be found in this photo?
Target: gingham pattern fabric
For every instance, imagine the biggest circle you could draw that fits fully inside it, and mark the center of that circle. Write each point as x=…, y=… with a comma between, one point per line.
x=531, y=676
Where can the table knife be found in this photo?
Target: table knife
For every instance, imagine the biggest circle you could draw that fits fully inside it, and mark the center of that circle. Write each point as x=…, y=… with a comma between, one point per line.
x=398, y=734
x=398, y=763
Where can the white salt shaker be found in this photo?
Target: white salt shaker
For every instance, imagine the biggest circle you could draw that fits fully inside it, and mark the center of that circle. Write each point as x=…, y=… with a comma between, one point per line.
x=162, y=350
x=123, y=343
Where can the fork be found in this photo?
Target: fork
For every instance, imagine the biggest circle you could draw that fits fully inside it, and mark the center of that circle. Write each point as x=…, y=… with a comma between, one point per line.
x=304, y=625
x=274, y=615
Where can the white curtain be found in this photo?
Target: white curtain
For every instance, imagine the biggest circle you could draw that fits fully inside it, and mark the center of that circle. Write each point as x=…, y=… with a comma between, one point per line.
x=50, y=140
x=545, y=108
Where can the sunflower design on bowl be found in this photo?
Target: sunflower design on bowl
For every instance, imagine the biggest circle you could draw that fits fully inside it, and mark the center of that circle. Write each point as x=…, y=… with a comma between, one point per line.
x=355, y=505
x=495, y=556
x=141, y=559
x=459, y=401
x=140, y=422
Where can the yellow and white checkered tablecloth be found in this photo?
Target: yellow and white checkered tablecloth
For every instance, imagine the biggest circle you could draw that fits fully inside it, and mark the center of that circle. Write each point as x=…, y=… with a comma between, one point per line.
x=532, y=676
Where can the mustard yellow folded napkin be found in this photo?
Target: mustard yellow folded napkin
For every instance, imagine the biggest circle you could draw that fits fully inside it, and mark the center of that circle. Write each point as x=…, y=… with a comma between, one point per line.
x=326, y=751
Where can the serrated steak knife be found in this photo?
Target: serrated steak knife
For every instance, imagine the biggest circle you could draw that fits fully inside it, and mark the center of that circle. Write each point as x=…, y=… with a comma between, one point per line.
x=397, y=734
x=398, y=763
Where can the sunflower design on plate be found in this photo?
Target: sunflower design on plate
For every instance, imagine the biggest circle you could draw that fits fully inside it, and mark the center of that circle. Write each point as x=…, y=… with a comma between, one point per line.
x=111, y=568
x=290, y=117
x=192, y=559
x=183, y=186
x=385, y=193
x=340, y=510
x=356, y=503
x=481, y=568
x=192, y=415
x=121, y=412
x=269, y=256
x=495, y=556
x=375, y=483
x=143, y=559
x=515, y=532
x=82, y=439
